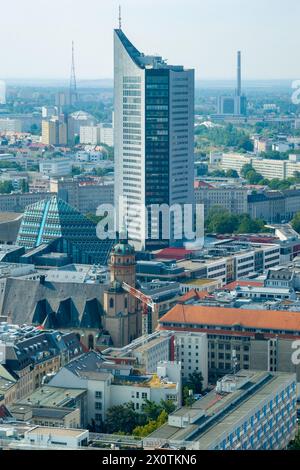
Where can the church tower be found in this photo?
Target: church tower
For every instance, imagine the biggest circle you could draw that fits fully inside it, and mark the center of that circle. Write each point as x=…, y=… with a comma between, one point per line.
x=123, y=317
x=122, y=263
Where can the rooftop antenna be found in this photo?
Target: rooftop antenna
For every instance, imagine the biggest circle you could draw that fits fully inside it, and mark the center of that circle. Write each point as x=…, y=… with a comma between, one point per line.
x=120, y=17
x=73, y=85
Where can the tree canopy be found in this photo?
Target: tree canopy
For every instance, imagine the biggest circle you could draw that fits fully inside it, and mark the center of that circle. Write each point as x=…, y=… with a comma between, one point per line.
x=221, y=221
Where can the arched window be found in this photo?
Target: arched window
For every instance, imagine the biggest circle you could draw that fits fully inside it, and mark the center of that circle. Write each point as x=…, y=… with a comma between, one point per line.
x=111, y=303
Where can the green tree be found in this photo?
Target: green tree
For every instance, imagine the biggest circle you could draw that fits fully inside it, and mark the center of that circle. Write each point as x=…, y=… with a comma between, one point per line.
x=122, y=418
x=35, y=129
x=188, y=396
x=151, y=426
x=167, y=406
x=296, y=222
x=248, y=225
x=295, y=445
x=151, y=409
x=6, y=187
x=195, y=382
x=232, y=174
x=75, y=170
x=24, y=186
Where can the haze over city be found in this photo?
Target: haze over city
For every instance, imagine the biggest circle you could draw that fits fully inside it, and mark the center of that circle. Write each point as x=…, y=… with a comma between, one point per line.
x=203, y=35
x=149, y=229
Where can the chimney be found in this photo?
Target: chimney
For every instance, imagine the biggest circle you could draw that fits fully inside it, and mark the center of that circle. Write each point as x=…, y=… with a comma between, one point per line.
x=239, y=74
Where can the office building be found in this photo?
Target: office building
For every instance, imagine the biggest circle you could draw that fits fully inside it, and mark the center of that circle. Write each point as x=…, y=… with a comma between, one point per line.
x=281, y=169
x=56, y=166
x=258, y=339
x=95, y=135
x=247, y=411
x=154, y=141
x=8, y=125
x=76, y=121
x=232, y=198
x=84, y=194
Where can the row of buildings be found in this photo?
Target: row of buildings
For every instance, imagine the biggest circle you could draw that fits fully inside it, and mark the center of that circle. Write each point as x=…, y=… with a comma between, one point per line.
x=281, y=169
x=61, y=130
x=270, y=206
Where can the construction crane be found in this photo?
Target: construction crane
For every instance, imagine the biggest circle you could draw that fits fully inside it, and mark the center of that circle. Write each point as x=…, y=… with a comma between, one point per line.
x=146, y=301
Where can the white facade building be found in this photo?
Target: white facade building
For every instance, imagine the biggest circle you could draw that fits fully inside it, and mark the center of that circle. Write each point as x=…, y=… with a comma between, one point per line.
x=56, y=167
x=48, y=437
x=154, y=141
x=191, y=350
x=95, y=135
x=10, y=125
x=114, y=385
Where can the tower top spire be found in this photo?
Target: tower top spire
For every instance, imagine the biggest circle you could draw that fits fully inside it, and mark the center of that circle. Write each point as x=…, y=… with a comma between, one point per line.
x=120, y=17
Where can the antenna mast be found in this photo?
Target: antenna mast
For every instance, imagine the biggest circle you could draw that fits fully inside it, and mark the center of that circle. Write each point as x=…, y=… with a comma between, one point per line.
x=73, y=85
x=120, y=17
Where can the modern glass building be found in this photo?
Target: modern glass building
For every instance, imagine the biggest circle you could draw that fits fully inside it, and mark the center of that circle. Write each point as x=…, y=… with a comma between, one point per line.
x=154, y=143
x=54, y=219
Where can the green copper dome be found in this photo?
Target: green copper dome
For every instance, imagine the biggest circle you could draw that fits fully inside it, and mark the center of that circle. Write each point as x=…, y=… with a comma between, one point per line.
x=123, y=248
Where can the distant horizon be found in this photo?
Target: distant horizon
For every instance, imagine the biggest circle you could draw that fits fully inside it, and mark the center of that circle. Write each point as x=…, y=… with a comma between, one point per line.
x=204, y=36
x=64, y=79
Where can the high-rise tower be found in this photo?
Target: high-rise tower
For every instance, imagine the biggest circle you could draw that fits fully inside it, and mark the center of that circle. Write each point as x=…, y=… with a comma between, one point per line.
x=154, y=141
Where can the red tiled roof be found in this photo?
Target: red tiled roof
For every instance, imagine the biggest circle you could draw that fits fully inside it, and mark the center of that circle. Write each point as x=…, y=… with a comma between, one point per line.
x=202, y=184
x=193, y=294
x=260, y=319
x=174, y=253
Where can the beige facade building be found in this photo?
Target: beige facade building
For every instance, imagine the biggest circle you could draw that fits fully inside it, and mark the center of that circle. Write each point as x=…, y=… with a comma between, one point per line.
x=54, y=132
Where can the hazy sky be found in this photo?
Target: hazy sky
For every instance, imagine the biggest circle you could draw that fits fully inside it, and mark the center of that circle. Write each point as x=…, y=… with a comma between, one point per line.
x=36, y=35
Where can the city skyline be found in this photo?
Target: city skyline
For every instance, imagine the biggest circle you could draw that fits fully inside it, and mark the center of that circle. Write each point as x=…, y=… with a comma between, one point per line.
x=204, y=37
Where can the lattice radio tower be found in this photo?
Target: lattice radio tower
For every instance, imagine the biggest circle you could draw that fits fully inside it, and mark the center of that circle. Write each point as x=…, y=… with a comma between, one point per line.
x=73, y=85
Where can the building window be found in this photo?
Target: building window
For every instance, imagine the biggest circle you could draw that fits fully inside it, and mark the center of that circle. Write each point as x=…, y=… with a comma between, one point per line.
x=98, y=395
x=98, y=405
x=111, y=303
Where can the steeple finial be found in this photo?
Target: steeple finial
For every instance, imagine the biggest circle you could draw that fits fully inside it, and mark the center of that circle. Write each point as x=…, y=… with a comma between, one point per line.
x=120, y=17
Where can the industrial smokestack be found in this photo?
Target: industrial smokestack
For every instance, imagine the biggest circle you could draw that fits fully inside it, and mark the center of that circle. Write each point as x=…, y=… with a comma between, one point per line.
x=239, y=75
